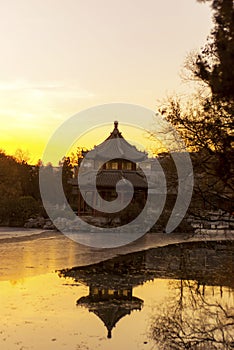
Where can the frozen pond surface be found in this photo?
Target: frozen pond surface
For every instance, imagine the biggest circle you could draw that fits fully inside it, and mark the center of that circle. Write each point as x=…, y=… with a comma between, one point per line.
x=12, y=232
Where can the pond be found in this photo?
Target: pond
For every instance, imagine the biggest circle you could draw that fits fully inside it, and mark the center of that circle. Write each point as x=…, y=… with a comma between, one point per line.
x=175, y=297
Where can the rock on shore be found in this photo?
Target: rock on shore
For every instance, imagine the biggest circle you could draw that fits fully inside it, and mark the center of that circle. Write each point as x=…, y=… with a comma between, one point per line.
x=40, y=222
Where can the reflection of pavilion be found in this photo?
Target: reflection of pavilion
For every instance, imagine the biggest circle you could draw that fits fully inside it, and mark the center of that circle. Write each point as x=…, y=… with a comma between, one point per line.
x=111, y=281
x=110, y=305
x=110, y=288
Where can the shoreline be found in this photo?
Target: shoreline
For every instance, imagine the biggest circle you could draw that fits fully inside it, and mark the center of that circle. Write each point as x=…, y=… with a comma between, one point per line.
x=47, y=250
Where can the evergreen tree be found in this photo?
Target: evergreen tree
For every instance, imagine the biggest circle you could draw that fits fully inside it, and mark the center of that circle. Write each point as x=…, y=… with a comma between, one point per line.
x=214, y=64
x=206, y=124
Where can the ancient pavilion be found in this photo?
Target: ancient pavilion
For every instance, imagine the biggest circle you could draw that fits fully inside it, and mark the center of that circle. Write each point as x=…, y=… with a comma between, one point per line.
x=116, y=166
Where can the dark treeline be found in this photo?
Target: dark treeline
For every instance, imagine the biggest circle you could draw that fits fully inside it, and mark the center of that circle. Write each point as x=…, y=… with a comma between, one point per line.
x=20, y=197
x=19, y=189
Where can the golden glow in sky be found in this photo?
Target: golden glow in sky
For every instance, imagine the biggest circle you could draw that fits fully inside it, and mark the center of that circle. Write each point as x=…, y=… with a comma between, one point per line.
x=58, y=58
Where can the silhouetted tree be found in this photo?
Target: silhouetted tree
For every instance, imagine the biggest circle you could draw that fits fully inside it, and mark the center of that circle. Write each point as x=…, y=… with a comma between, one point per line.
x=19, y=190
x=67, y=173
x=214, y=64
x=206, y=123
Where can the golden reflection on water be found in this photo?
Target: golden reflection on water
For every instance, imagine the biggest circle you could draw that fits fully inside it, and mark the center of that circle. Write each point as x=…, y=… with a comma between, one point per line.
x=40, y=312
x=47, y=252
x=39, y=307
x=32, y=257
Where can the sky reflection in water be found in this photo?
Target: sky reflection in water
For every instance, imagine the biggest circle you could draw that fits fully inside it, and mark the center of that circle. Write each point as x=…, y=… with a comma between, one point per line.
x=138, y=294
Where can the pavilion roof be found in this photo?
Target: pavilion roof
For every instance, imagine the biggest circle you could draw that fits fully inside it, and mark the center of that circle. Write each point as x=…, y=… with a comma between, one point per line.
x=116, y=147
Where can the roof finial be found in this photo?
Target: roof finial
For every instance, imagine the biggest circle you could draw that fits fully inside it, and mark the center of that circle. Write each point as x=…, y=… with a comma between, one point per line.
x=116, y=124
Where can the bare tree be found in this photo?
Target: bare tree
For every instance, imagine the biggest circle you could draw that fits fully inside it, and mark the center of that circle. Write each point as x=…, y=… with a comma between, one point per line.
x=190, y=321
x=22, y=156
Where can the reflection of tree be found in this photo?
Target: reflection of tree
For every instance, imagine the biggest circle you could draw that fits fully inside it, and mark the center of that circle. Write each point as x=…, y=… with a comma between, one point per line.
x=190, y=321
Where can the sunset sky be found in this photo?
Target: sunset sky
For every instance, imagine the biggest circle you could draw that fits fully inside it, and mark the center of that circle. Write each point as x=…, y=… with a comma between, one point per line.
x=60, y=57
